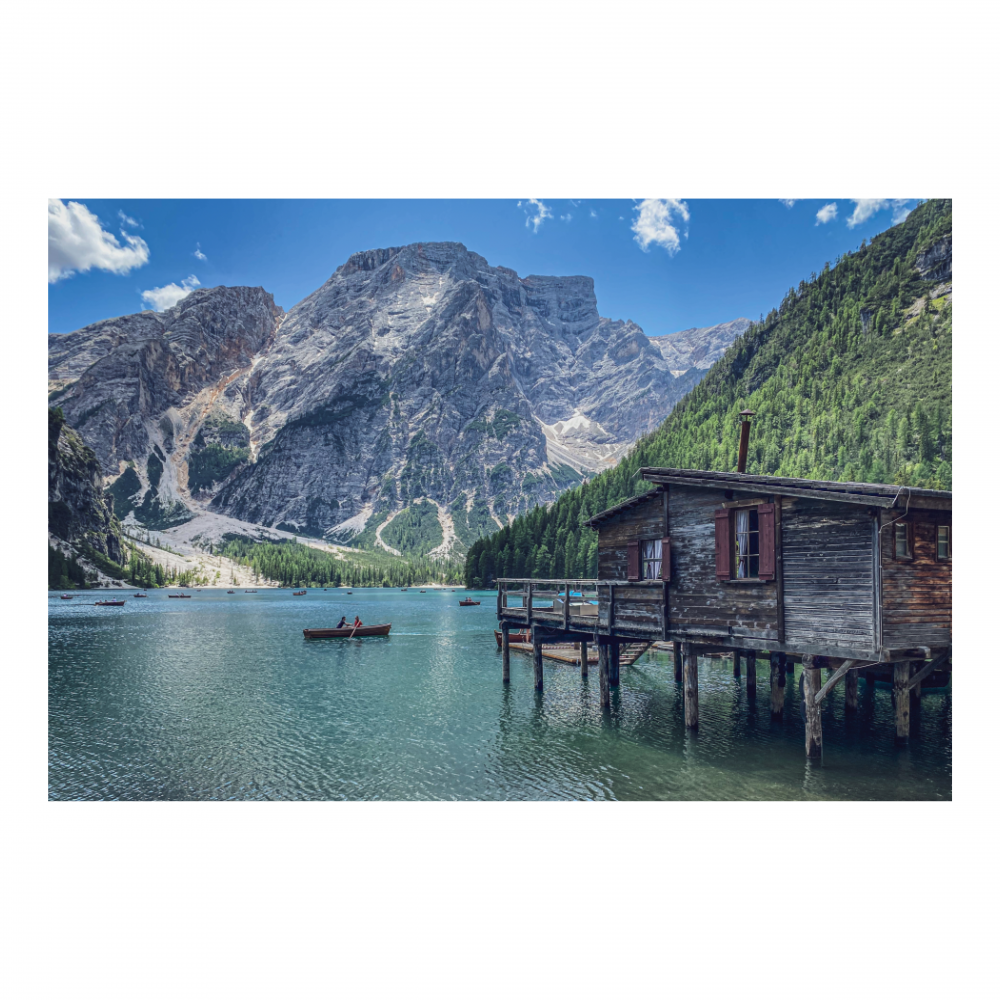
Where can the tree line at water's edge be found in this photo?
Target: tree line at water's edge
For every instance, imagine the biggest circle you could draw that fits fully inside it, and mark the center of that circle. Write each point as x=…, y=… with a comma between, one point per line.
x=850, y=379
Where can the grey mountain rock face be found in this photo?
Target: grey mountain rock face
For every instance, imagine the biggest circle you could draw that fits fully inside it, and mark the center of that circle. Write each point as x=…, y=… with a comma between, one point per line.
x=699, y=347
x=413, y=372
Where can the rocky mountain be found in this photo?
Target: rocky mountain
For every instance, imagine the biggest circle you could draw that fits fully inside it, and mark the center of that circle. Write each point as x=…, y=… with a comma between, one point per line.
x=699, y=347
x=414, y=375
x=80, y=519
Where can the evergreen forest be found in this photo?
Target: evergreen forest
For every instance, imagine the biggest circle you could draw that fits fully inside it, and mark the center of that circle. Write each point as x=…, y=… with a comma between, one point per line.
x=849, y=378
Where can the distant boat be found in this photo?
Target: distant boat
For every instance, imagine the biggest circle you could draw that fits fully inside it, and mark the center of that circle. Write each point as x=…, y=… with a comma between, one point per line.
x=66, y=597
x=249, y=591
x=180, y=595
x=139, y=594
x=467, y=602
x=403, y=590
x=298, y=593
x=423, y=591
x=346, y=633
x=230, y=591
x=350, y=592
x=109, y=604
x=523, y=636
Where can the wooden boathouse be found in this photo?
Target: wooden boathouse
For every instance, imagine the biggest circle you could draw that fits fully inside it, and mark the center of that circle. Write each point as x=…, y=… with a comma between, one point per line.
x=844, y=576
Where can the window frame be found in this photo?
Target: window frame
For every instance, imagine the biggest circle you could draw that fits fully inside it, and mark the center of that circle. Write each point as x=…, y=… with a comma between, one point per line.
x=643, y=560
x=734, y=539
x=937, y=543
x=907, y=525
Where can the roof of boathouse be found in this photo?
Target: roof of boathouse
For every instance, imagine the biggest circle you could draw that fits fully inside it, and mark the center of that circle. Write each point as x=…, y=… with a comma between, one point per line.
x=870, y=494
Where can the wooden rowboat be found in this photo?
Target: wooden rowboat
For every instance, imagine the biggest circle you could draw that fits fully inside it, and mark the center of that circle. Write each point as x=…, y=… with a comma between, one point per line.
x=522, y=636
x=179, y=595
x=66, y=597
x=468, y=602
x=346, y=633
x=139, y=595
x=109, y=604
x=298, y=593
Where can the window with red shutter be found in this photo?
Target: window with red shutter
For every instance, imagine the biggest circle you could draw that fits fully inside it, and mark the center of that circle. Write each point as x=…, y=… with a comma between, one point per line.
x=722, y=544
x=765, y=524
x=665, y=565
x=633, y=560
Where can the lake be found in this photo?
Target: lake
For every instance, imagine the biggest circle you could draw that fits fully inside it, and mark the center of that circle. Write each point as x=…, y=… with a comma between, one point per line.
x=220, y=697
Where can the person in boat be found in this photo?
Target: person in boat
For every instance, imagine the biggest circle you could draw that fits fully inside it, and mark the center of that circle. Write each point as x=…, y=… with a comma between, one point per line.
x=357, y=622
x=343, y=622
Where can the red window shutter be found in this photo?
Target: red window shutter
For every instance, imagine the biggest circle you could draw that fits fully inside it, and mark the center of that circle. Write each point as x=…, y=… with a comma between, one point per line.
x=765, y=522
x=665, y=564
x=633, y=560
x=723, y=545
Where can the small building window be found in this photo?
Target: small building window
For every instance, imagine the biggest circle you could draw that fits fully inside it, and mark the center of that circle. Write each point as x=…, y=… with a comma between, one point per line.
x=903, y=549
x=652, y=559
x=747, y=543
x=944, y=542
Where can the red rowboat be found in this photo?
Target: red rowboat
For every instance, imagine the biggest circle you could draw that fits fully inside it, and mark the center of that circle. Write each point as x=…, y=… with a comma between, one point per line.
x=468, y=602
x=346, y=633
x=523, y=636
x=298, y=593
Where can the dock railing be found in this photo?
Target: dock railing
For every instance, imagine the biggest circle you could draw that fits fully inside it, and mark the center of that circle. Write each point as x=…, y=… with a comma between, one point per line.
x=605, y=606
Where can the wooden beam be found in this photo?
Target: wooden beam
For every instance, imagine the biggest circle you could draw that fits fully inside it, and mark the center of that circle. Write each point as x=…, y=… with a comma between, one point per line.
x=736, y=664
x=505, y=643
x=929, y=668
x=751, y=675
x=851, y=691
x=777, y=686
x=811, y=680
x=584, y=656
x=901, y=695
x=615, y=672
x=678, y=663
x=536, y=655
x=602, y=670
x=832, y=682
x=690, y=686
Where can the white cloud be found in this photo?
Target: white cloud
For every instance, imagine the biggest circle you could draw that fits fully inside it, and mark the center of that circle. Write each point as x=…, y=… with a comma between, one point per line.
x=77, y=242
x=865, y=208
x=127, y=220
x=788, y=202
x=593, y=214
x=827, y=213
x=542, y=212
x=198, y=253
x=568, y=217
x=657, y=223
x=169, y=295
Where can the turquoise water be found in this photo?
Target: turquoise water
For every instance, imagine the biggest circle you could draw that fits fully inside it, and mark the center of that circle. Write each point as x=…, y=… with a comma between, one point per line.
x=220, y=697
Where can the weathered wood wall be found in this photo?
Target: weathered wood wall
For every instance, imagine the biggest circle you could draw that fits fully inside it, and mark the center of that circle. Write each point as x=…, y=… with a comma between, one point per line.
x=699, y=603
x=643, y=521
x=829, y=595
x=916, y=594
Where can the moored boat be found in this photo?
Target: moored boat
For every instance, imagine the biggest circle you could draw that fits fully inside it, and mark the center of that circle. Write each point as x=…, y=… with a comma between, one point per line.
x=523, y=636
x=345, y=633
x=467, y=602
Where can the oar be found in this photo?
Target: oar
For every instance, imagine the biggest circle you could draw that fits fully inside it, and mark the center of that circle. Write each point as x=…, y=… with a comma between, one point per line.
x=356, y=627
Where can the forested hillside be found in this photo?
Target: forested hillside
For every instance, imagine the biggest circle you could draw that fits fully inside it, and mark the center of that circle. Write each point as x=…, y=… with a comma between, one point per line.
x=850, y=378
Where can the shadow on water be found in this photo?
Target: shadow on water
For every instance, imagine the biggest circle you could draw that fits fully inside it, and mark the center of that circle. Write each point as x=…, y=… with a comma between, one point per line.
x=224, y=699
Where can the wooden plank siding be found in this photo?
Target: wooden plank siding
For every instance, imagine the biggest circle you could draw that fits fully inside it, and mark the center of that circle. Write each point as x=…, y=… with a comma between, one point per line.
x=827, y=551
x=916, y=594
x=644, y=521
x=699, y=604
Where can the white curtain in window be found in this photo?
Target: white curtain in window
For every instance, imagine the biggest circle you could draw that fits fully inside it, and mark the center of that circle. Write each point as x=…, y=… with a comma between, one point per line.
x=742, y=543
x=652, y=558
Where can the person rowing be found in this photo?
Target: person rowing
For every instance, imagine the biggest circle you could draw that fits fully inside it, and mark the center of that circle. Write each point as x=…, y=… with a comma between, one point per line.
x=357, y=622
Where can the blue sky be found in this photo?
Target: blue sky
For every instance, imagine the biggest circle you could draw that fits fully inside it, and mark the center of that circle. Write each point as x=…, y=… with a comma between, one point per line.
x=667, y=264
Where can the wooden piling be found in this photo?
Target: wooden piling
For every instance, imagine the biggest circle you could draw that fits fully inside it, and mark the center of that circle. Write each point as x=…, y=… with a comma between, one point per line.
x=615, y=667
x=812, y=681
x=678, y=663
x=751, y=675
x=690, y=686
x=851, y=691
x=736, y=664
x=505, y=632
x=901, y=694
x=584, y=653
x=536, y=654
x=602, y=671
x=777, y=686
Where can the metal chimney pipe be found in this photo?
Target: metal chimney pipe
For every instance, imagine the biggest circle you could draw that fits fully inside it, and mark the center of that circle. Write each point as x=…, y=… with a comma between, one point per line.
x=741, y=464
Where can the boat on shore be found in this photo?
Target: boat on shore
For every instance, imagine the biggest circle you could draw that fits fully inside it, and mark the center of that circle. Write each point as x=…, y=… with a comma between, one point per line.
x=109, y=604
x=468, y=602
x=522, y=636
x=345, y=633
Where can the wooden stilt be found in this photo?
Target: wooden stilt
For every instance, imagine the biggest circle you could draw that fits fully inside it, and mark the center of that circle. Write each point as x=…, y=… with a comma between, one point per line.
x=536, y=651
x=505, y=631
x=678, y=663
x=870, y=679
x=812, y=682
x=851, y=691
x=690, y=686
x=751, y=675
x=777, y=686
x=900, y=683
x=736, y=664
x=615, y=668
x=584, y=654
x=603, y=656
